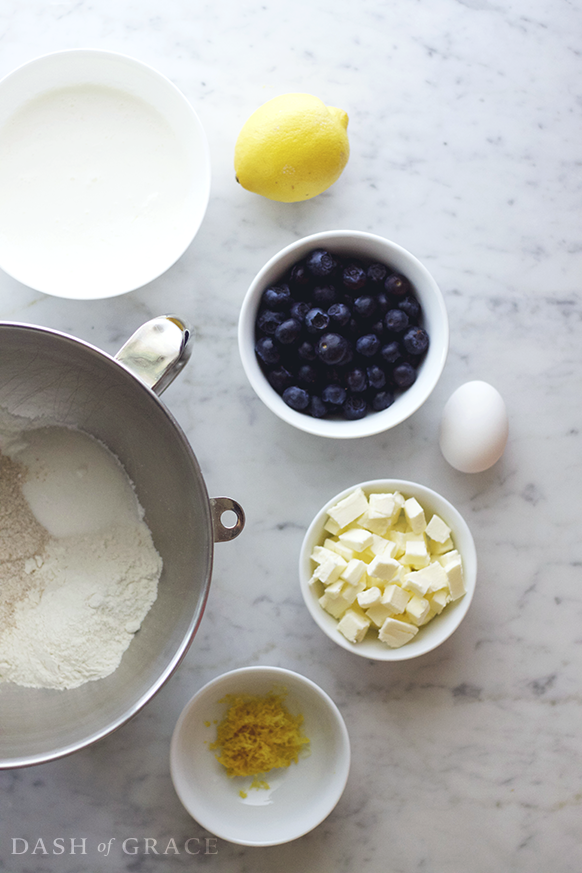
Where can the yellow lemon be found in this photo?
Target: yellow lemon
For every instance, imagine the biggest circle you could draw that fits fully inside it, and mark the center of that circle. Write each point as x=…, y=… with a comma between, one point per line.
x=292, y=148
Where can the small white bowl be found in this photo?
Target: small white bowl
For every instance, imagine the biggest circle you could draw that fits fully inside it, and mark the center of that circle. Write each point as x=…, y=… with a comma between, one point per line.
x=104, y=171
x=368, y=246
x=441, y=626
x=299, y=797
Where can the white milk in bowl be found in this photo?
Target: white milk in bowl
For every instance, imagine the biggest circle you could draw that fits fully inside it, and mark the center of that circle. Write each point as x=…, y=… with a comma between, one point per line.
x=105, y=188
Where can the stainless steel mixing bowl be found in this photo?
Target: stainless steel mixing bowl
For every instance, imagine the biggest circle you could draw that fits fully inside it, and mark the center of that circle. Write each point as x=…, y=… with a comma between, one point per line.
x=49, y=374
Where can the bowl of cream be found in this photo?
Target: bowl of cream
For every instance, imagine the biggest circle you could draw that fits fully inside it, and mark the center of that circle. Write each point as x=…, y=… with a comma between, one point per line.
x=104, y=174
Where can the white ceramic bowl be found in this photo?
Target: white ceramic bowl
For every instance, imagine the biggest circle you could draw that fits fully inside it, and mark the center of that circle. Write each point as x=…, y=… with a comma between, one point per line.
x=357, y=244
x=299, y=798
x=104, y=172
x=441, y=626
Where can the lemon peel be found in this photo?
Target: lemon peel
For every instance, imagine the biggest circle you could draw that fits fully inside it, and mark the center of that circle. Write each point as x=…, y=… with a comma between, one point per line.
x=258, y=734
x=292, y=148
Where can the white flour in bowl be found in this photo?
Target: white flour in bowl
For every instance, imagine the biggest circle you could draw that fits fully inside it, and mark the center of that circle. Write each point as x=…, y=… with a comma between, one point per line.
x=78, y=567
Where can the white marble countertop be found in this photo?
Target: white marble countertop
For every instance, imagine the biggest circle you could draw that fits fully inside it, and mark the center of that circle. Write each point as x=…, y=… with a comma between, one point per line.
x=465, y=149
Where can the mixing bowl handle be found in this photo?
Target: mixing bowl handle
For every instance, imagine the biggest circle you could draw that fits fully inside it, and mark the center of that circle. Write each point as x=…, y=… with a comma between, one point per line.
x=220, y=505
x=157, y=351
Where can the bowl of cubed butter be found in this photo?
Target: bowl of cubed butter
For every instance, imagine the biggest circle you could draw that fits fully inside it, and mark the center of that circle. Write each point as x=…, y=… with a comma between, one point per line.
x=388, y=569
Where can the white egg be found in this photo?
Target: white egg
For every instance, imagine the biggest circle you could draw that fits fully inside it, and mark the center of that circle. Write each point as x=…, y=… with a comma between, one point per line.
x=474, y=427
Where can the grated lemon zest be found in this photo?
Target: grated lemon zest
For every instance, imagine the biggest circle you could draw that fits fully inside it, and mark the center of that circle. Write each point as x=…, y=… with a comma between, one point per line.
x=258, y=734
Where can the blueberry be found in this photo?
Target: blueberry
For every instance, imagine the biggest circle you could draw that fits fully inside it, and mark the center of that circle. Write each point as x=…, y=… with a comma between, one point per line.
x=356, y=380
x=295, y=397
x=316, y=320
x=355, y=408
x=277, y=297
x=397, y=285
x=365, y=306
x=410, y=306
x=339, y=313
x=267, y=351
x=377, y=273
x=331, y=348
x=382, y=302
x=299, y=310
x=377, y=328
x=268, y=320
x=353, y=328
x=288, y=331
x=367, y=345
x=317, y=407
x=320, y=263
x=382, y=400
x=391, y=352
x=376, y=376
x=396, y=320
x=334, y=395
x=353, y=277
x=279, y=378
x=299, y=276
x=307, y=375
x=404, y=375
x=324, y=295
x=306, y=351
x=415, y=341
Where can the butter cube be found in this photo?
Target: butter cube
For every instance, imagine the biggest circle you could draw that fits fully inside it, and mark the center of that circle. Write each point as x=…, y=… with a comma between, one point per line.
x=369, y=597
x=454, y=573
x=335, y=589
x=330, y=570
x=447, y=556
x=395, y=599
x=322, y=553
x=429, y=578
x=438, y=580
x=415, y=554
x=374, y=522
x=396, y=633
x=438, y=600
x=436, y=548
x=399, y=502
x=380, y=546
x=356, y=539
x=337, y=604
x=382, y=504
x=353, y=626
x=378, y=613
x=383, y=567
x=437, y=529
x=429, y=617
x=414, y=515
x=339, y=549
x=399, y=539
x=349, y=509
x=332, y=526
x=390, y=550
x=383, y=546
x=350, y=592
x=355, y=571
x=417, y=609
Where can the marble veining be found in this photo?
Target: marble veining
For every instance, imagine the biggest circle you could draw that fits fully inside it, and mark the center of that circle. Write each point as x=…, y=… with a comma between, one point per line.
x=465, y=149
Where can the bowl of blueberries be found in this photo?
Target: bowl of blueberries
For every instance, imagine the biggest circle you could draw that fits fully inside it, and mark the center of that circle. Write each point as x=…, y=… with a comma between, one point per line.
x=343, y=334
